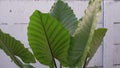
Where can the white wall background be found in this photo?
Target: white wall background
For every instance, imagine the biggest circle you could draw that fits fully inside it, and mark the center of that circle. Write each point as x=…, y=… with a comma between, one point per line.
x=14, y=18
x=112, y=40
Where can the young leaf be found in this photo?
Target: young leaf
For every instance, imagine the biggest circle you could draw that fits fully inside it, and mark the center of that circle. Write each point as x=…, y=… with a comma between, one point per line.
x=96, y=41
x=48, y=39
x=13, y=48
x=82, y=38
x=63, y=13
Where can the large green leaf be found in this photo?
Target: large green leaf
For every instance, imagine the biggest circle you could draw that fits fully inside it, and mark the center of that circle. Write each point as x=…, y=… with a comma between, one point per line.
x=82, y=38
x=13, y=48
x=63, y=13
x=96, y=41
x=48, y=38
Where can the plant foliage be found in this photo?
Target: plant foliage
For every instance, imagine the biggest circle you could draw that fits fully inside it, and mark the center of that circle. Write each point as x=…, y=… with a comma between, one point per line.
x=13, y=48
x=96, y=41
x=48, y=39
x=63, y=13
x=58, y=35
x=80, y=42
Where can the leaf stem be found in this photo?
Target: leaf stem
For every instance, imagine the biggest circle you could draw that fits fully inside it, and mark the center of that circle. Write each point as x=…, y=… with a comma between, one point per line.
x=53, y=59
x=60, y=65
x=85, y=62
x=17, y=61
x=54, y=63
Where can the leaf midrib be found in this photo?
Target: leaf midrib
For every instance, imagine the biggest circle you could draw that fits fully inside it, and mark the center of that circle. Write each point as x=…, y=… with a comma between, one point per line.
x=49, y=45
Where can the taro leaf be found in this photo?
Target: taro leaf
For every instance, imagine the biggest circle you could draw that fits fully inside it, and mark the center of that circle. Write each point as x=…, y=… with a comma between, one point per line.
x=96, y=41
x=80, y=42
x=63, y=13
x=13, y=48
x=48, y=39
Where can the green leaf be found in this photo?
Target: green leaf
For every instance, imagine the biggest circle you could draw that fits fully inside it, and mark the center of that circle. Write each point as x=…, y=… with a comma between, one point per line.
x=95, y=66
x=0, y=47
x=96, y=41
x=63, y=13
x=13, y=48
x=80, y=42
x=48, y=39
x=28, y=66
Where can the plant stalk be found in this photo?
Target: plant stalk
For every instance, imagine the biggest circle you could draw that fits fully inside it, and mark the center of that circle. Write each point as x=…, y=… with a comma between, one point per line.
x=54, y=63
x=60, y=65
x=84, y=66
